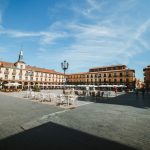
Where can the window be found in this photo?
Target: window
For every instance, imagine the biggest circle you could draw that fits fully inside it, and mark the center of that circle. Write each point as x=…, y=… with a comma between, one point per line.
x=115, y=80
x=127, y=74
x=120, y=80
x=120, y=74
x=6, y=76
x=20, y=77
x=13, y=77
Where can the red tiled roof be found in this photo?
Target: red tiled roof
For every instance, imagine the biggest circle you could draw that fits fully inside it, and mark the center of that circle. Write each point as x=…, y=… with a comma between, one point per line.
x=9, y=64
x=6, y=64
x=40, y=69
x=108, y=66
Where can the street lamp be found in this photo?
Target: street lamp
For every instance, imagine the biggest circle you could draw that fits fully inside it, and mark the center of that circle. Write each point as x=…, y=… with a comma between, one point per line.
x=0, y=83
x=64, y=66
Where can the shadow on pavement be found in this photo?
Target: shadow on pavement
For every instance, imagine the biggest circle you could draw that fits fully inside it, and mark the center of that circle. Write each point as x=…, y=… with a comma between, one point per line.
x=54, y=136
x=129, y=99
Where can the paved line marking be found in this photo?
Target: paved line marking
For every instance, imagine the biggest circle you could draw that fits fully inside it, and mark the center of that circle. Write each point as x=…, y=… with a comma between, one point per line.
x=39, y=121
x=85, y=104
x=53, y=114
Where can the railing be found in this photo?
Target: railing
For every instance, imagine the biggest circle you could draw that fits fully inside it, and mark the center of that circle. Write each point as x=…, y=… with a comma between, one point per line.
x=13, y=73
x=6, y=72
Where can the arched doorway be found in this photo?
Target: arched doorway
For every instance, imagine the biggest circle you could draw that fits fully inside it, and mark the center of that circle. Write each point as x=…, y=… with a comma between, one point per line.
x=25, y=85
x=3, y=84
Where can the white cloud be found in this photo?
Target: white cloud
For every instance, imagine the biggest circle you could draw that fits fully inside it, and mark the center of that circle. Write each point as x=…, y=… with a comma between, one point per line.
x=45, y=37
x=94, y=36
x=0, y=17
x=15, y=33
x=51, y=37
x=3, y=5
x=99, y=44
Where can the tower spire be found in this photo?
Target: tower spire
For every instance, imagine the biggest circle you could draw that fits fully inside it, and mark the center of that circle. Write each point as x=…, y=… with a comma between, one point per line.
x=20, y=59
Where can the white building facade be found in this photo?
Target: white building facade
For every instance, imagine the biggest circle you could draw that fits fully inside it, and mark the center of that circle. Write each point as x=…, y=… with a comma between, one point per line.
x=28, y=76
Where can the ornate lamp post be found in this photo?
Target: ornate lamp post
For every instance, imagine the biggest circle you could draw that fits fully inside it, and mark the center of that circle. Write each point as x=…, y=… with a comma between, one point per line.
x=64, y=66
x=0, y=83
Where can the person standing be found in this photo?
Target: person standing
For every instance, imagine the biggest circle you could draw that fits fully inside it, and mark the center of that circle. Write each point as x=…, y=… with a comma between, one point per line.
x=143, y=91
x=115, y=89
x=136, y=92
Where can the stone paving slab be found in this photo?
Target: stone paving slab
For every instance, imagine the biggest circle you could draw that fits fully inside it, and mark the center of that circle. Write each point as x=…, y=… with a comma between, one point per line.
x=100, y=120
x=16, y=111
x=124, y=124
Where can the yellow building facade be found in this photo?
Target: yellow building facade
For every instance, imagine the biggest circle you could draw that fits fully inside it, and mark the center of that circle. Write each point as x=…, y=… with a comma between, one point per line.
x=147, y=77
x=117, y=74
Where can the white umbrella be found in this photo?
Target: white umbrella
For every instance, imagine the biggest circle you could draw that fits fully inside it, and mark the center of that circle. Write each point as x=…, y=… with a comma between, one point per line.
x=16, y=84
x=102, y=85
x=12, y=84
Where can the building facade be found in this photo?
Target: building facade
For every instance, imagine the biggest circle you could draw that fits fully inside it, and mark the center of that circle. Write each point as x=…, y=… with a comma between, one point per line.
x=118, y=74
x=146, y=71
x=28, y=76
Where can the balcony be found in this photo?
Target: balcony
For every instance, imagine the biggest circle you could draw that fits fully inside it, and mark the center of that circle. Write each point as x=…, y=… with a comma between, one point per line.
x=20, y=74
x=13, y=73
x=6, y=72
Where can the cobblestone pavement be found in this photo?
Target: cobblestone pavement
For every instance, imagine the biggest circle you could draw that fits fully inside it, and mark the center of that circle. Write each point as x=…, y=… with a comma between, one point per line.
x=119, y=123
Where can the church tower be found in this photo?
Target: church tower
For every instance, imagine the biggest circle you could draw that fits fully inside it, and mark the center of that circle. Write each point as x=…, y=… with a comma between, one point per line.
x=20, y=64
x=20, y=59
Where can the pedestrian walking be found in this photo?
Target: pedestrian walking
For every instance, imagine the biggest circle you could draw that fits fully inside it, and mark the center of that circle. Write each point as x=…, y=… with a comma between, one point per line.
x=136, y=92
x=115, y=89
x=143, y=91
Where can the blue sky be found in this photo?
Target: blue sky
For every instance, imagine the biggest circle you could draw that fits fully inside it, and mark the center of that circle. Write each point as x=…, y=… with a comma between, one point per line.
x=86, y=33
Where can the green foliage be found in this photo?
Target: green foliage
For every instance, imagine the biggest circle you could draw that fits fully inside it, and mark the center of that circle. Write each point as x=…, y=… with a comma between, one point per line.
x=36, y=88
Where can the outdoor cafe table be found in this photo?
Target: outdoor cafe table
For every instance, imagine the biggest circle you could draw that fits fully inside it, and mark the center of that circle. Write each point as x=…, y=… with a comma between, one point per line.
x=68, y=96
